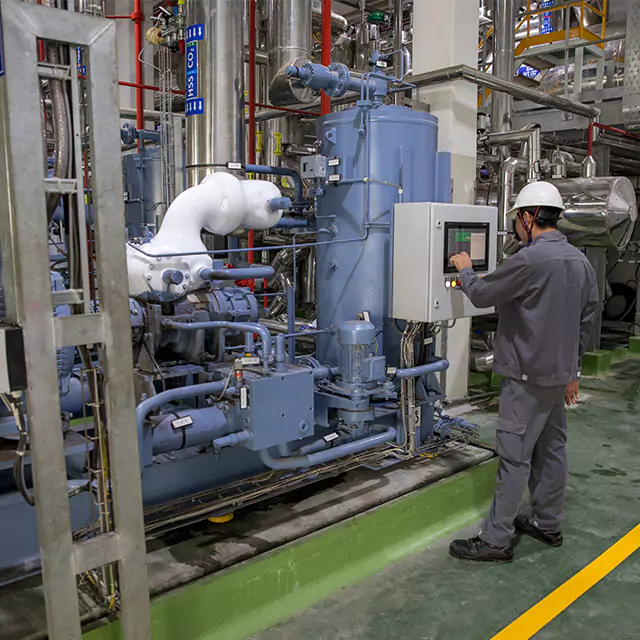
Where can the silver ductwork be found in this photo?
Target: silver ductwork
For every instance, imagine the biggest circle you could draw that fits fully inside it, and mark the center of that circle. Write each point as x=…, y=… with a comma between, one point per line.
x=599, y=212
x=215, y=127
x=339, y=23
x=289, y=39
x=503, y=63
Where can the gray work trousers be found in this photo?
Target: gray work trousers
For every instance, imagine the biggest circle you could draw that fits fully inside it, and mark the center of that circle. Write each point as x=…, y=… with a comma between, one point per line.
x=531, y=442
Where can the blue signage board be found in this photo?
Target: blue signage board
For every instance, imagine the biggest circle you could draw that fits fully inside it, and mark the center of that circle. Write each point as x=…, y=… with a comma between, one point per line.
x=194, y=105
x=528, y=71
x=194, y=32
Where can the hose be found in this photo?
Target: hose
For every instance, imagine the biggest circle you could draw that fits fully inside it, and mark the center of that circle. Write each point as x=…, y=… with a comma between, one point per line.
x=18, y=470
x=21, y=449
x=60, y=112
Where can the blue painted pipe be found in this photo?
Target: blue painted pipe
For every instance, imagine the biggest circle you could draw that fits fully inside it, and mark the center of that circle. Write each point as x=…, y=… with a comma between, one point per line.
x=207, y=425
x=248, y=273
x=129, y=134
x=324, y=372
x=328, y=455
x=246, y=327
x=145, y=134
x=321, y=444
x=320, y=373
x=336, y=80
x=278, y=204
x=281, y=171
x=280, y=354
x=78, y=395
x=292, y=223
x=416, y=372
x=171, y=395
x=232, y=440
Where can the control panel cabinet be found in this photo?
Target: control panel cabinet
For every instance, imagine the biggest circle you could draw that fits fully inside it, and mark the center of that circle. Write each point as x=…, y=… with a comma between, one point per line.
x=426, y=288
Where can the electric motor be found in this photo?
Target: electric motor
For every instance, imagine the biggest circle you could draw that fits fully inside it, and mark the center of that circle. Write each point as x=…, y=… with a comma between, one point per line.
x=358, y=362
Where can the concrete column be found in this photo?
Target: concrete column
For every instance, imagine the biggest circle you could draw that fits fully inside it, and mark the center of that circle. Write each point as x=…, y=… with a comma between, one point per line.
x=445, y=34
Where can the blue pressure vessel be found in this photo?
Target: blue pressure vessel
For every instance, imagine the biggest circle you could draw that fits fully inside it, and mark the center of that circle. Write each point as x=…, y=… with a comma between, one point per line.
x=382, y=155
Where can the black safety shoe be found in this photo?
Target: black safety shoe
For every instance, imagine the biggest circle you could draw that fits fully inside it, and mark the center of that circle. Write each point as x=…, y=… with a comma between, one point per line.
x=524, y=526
x=477, y=549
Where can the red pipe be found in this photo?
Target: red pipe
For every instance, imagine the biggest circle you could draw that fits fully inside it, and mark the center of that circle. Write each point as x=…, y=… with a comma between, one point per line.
x=147, y=87
x=252, y=110
x=252, y=82
x=605, y=127
x=286, y=109
x=138, y=18
x=325, y=101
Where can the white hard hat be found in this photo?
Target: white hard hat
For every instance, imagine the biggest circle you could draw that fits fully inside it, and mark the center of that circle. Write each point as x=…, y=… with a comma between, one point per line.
x=537, y=194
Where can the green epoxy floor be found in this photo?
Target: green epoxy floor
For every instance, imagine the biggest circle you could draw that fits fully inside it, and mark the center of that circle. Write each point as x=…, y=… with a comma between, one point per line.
x=435, y=597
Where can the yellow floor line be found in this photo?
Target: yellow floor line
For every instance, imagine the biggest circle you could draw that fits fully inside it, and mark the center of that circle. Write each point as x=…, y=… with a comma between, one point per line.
x=531, y=621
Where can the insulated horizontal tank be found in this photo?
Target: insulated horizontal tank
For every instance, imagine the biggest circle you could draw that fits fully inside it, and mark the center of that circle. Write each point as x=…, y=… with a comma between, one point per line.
x=599, y=212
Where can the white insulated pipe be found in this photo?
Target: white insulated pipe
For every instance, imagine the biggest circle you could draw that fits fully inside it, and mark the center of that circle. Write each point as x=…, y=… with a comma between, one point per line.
x=220, y=204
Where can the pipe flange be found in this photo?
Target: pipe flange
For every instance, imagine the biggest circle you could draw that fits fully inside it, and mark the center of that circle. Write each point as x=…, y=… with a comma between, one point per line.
x=285, y=91
x=308, y=66
x=343, y=76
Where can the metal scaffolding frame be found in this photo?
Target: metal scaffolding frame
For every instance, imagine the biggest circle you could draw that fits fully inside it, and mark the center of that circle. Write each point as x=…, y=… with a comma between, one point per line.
x=29, y=300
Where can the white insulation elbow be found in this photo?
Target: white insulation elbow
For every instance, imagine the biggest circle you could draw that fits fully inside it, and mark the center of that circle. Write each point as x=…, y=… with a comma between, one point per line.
x=220, y=204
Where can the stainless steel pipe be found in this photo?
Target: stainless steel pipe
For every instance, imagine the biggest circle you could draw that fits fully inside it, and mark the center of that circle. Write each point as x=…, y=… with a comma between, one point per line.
x=529, y=136
x=508, y=169
x=503, y=64
x=216, y=136
x=481, y=361
x=464, y=72
x=397, y=45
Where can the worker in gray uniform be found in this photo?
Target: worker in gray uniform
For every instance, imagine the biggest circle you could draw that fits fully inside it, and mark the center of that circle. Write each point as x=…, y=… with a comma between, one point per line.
x=547, y=297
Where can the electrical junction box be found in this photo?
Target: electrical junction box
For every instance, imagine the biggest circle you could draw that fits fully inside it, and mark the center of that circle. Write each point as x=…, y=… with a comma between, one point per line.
x=13, y=368
x=426, y=288
x=313, y=167
x=280, y=407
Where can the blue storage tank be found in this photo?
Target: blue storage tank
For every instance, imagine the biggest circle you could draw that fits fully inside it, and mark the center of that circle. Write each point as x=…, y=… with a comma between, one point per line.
x=386, y=144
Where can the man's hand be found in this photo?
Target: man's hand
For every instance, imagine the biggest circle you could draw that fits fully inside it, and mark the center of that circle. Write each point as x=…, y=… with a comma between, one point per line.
x=461, y=261
x=572, y=393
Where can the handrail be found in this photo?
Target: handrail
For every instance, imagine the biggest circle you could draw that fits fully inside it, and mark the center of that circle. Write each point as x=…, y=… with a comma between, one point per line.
x=584, y=5
x=581, y=31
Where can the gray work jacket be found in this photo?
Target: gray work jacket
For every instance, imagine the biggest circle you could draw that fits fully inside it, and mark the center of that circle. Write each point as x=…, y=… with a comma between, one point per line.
x=547, y=295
